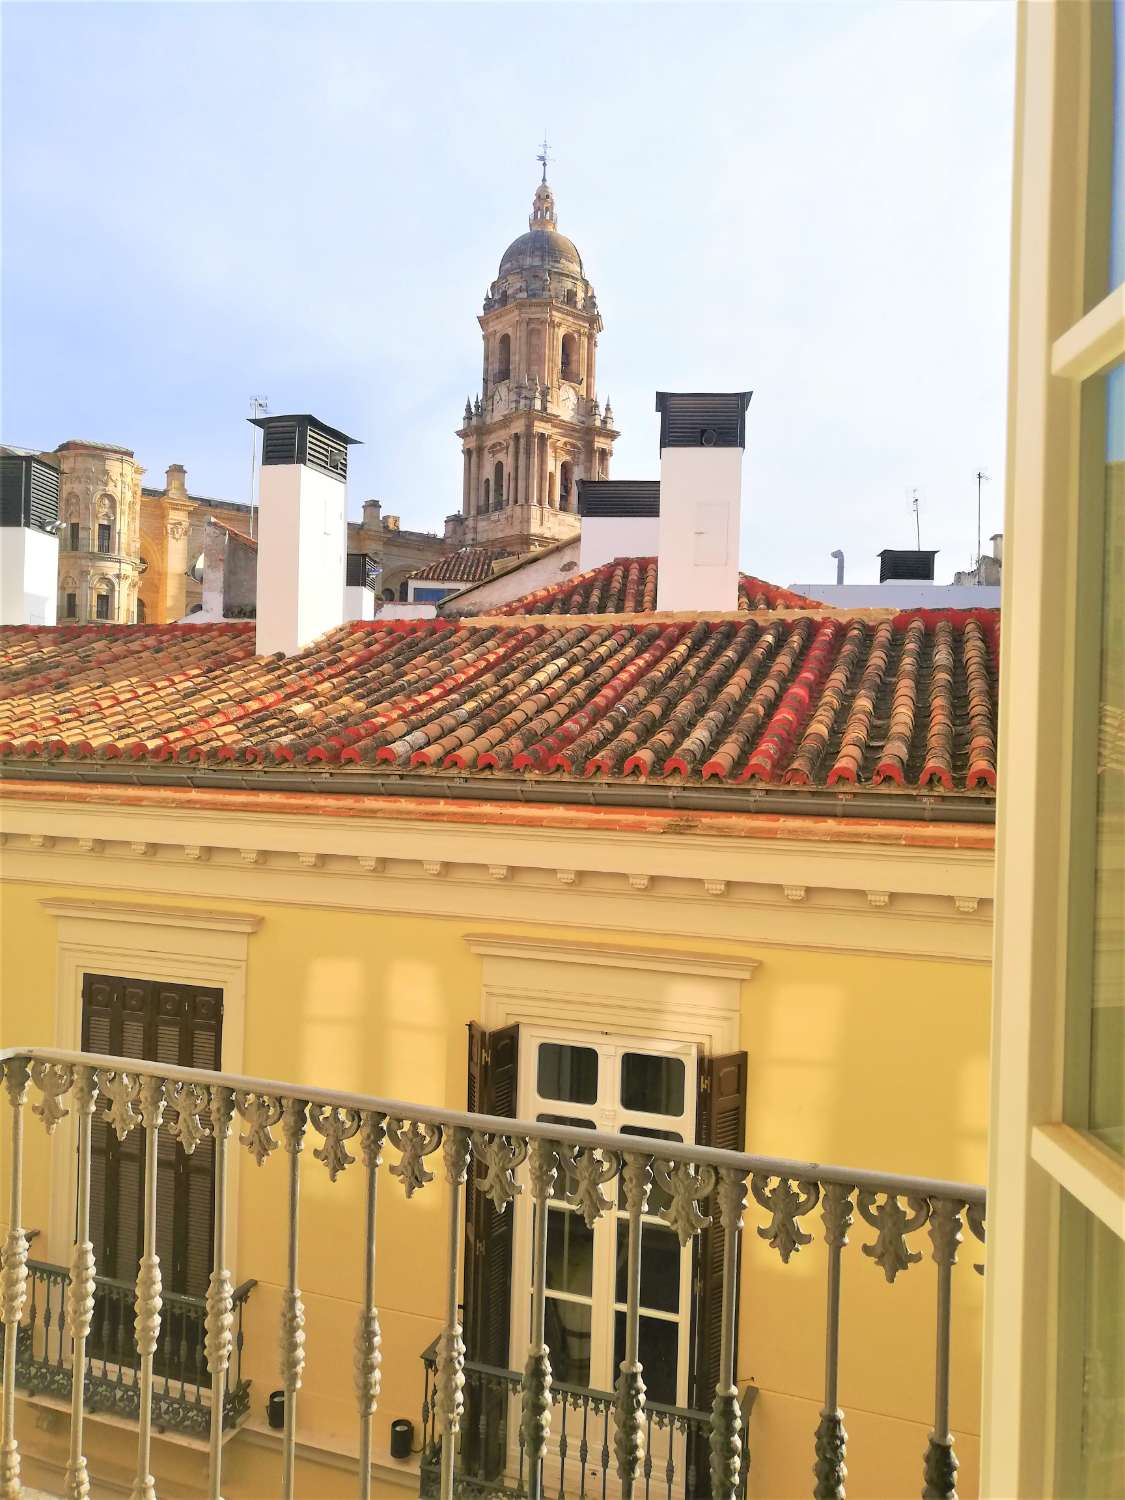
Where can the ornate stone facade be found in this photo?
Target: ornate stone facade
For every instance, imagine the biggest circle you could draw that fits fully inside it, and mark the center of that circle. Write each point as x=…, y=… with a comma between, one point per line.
x=537, y=426
x=99, y=542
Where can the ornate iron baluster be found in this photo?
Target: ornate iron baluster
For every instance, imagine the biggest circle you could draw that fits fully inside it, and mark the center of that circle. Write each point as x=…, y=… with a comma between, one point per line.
x=148, y=1291
x=536, y=1423
x=450, y=1380
x=726, y=1418
x=562, y=1453
x=368, y=1338
x=14, y=1277
x=629, y=1409
x=293, y=1121
x=831, y=1438
x=941, y=1461
x=584, y=1447
x=220, y=1299
x=80, y=1293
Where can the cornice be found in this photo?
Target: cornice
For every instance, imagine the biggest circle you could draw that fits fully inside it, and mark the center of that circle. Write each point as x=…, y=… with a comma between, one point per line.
x=153, y=916
x=606, y=956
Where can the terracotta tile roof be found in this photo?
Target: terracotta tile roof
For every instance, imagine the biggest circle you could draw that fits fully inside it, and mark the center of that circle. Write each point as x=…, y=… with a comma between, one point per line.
x=466, y=565
x=799, y=699
x=628, y=584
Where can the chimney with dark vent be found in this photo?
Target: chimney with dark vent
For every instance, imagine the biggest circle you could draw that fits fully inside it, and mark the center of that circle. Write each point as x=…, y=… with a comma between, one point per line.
x=302, y=531
x=702, y=440
x=29, y=540
x=902, y=565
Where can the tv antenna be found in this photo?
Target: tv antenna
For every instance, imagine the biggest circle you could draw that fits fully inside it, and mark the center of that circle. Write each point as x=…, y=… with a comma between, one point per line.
x=917, y=523
x=982, y=478
x=259, y=406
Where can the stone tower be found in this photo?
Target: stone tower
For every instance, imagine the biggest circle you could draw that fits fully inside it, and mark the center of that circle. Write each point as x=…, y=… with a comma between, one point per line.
x=536, y=428
x=99, y=542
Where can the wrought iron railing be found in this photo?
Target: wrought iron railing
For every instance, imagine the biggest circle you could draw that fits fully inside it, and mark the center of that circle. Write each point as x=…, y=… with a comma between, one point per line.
x=181, y=1394
x=579, y=1465
x=700, y=1185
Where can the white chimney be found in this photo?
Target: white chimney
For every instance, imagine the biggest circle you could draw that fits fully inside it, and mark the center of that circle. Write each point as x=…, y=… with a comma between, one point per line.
x=702, y=439
x=620, y=518
x=302, y=531
x=997, y=540
x=361, y=580
x=29, y=540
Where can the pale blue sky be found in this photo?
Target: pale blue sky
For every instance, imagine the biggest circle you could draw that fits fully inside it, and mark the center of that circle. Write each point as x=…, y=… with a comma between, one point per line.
x=202, y=202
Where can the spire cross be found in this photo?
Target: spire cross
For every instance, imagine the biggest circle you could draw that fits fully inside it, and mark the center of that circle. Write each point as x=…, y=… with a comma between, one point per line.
x=543, y=155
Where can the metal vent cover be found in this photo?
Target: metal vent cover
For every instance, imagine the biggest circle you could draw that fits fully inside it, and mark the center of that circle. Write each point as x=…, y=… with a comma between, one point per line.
x=361, y=571
x=702, y=419
x=29, y=492
x=302, y=439
x=619, y=497
x=899, y=565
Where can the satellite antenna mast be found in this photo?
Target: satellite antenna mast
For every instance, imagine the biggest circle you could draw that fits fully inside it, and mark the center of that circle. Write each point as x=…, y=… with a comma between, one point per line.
x=917, y=522
x=259, y=405
x=982, y=477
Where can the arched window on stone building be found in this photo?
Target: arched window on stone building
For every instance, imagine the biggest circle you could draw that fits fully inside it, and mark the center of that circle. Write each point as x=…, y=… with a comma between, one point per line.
x=487, y=492
x=568, y=363
x=566, y=485
x=498, y=485
x=140, y=611
x=504, y=357
x=103, y=600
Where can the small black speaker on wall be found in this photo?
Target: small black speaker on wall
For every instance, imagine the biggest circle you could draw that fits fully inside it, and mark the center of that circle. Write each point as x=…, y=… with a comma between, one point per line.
x=402, y=1438
x=275, y=1409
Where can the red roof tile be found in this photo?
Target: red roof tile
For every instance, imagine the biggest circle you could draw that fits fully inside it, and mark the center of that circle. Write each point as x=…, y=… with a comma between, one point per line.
x=466, y=565
x=628, y=584
x=801, y=700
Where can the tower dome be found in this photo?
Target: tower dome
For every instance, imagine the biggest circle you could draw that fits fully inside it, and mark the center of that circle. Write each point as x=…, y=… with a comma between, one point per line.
x=542, y=247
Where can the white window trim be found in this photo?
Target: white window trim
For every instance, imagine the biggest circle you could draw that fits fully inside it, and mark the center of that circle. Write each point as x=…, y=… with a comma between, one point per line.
x=173, y=944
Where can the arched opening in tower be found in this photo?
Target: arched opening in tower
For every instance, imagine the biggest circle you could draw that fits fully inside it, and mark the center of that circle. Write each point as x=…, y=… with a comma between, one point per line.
x=566, y=484
x=504, y=357
x=498, y=485
x=568, y=363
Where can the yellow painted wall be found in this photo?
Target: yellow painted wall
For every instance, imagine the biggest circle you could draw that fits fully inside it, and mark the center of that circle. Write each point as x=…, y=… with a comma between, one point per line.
x=876, y=1062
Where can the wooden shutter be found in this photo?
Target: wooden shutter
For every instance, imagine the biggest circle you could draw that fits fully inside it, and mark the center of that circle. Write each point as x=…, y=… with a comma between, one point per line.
x=180, y=1025
x=721, y=1122
x=493, y=1075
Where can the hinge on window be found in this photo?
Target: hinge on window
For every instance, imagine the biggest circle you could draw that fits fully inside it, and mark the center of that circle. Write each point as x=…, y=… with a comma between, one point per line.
x=705, y=1084
x=486, y=1054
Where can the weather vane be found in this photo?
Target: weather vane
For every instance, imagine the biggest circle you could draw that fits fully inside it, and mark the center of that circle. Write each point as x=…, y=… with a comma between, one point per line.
x=543, y=155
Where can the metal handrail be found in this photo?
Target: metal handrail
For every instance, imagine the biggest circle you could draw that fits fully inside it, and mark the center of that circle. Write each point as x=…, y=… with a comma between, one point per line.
x=398, y=1109
x=182, y=1299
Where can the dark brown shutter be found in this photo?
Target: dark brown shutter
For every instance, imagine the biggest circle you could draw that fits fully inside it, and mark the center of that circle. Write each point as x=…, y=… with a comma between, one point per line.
x=493, y=1075
x=721, y=1122
x=180, y=1025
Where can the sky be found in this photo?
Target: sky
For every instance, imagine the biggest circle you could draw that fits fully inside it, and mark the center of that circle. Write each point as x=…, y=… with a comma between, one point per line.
x=211, y=201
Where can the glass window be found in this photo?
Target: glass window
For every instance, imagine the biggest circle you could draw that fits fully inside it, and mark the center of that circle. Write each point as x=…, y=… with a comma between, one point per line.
x=74, y=536
x=1096, y=1442
x=660, y=1266
x=571, y=1120
x=105, y=536
x=570, y=1253
x=567, y=1072
x=566, y=1327
x=652, y=1085
x=659, y=1338
x=101, y=607
x=71, y=606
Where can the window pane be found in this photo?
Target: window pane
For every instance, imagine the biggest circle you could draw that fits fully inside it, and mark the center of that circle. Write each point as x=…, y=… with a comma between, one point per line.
x=658, y=1347
x=660, y=1266
x=652, y=1085
x=569, y=1073
x=572, y=1120
x=1099, y=1412
x=1107, y=1012
x=570, y=1253
x=566, y=1327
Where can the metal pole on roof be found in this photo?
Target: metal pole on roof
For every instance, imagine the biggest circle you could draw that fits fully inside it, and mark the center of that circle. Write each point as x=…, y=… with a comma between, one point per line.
x=259, y=405
x=917, y=522
x=981, y=477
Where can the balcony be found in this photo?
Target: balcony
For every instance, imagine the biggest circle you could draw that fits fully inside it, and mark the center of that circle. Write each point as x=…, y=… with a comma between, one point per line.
x=160, y=1359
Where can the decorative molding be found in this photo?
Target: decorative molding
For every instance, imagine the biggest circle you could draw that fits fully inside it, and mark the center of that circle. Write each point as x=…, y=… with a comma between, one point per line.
x=434, y=867
x=500, y=872
x=639, y=882
x=40, y=840
x=308, y=860
x=567, y=877
x=140, y=848
x=715, y=887
x=966, y=904
x=196, y=852
x=152, y=916
x=879, y=899
x=371, y=862
x=610, y=956
x=250, y=856
x=90, y=846
x=795, y=892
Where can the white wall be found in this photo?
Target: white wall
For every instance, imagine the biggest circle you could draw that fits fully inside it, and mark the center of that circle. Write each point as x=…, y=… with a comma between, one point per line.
x=302, y=537
x=390, y=611
x=359, y=602
x=700, y=511
x=538, y=571
x=29, y=576
x=606, y=537
x=900, y=595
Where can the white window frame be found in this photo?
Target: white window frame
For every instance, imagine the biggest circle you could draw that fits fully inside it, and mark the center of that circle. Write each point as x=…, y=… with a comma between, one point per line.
x=1036, y=1153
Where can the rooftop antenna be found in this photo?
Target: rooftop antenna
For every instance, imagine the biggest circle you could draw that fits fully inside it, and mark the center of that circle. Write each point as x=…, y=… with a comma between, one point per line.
x=917, y=522
x=982, y=478
x=544, y=154
x=259, y=405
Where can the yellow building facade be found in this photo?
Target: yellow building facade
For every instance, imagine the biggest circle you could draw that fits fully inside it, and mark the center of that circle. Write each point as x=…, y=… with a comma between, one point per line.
x=355, y=942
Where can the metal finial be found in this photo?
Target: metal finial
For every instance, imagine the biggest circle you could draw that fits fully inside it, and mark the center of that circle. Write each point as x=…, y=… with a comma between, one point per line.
x=543, y=155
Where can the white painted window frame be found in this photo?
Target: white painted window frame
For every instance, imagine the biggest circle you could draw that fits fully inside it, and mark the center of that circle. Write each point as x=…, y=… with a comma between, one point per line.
x=162, y=943
x=1036, y=1153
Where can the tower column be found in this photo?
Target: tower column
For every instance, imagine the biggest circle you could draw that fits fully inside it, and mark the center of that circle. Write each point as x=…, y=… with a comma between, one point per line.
x=527, y=446
x=474, y=480
x=466, y=465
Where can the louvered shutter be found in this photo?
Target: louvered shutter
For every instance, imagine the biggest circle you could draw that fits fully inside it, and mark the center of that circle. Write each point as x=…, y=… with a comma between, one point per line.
x=721, y=1122
x=493, y=1074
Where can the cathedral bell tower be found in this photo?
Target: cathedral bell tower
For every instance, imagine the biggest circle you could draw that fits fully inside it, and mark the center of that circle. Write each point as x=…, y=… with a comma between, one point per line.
x=536, y=428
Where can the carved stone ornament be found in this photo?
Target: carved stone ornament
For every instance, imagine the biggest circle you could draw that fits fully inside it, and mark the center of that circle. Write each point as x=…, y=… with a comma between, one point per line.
x=543, y=1162
x=261, y=1113
x=500, y=1156
x=786, y=1204
x=687, y=1186
x=16, y=1075
x=148, y=1305
x=726, y=1442
x=152, y=1102
x=294, y=1118
x=219, y=1323
x=414, y=1142
x=975, y=1216
x=336, y=1126
x=732, y=1197
x=836, y=1211
x=372, y=1134
x=629, y=1423
x=945, y=1230
x=831, y=1449
x=292, y=1342
x=122, y=1090
x=449, y=1378
x=636, y=1179
x=456, y=1152
x=940, y=1470
x=190, y=1107
x=368, y=1358
x=52, y=1080
x=894, y=1224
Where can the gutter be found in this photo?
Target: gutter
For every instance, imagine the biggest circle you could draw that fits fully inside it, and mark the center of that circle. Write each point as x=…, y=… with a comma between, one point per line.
x=918, y=807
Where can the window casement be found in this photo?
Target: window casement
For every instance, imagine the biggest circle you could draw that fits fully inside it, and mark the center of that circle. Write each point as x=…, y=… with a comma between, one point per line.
x=72, y=606
x=101, y=605
x=74, y=536
x=634, y=1086
x=105, y=536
